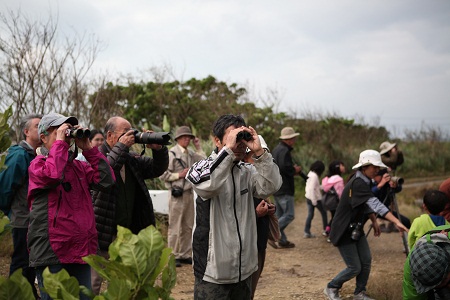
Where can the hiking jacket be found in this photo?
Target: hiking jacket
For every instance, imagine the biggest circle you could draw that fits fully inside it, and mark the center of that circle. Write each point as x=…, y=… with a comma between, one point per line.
x=14, y=184
x=282, y=156
x=356, y=200
x=142, y=167
x=62, y=226
x=224, y=239
x=335, y=181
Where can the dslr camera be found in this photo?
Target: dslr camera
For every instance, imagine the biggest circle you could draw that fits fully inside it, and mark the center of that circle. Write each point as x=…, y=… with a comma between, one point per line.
x=78, y=133
x=356, y=229
x=160, y=138
x=244, y=135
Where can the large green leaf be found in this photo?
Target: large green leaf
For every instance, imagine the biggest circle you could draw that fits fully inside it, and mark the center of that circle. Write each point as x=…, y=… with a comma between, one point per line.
x=111, y=269
x=4, y=220
x=61, y=285
x=15, y=287
x=118, y=289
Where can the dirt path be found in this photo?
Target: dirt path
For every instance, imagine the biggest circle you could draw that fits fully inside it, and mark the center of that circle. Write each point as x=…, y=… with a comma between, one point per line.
x=302, y=272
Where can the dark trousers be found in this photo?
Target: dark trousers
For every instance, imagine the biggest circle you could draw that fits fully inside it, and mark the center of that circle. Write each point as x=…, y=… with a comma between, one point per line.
x=204, y=290
x=20, y=257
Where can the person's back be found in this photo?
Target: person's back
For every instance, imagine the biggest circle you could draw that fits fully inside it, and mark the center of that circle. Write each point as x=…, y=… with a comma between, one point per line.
x=434, y=202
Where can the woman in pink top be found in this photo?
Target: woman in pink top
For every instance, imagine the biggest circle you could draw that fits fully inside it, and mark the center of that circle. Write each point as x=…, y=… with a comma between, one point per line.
x=334, y=180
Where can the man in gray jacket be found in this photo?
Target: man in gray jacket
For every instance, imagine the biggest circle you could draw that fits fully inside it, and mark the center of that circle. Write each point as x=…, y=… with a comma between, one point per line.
x=224, y=241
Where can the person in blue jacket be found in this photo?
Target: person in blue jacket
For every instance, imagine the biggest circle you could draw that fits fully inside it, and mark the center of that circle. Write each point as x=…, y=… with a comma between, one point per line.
x=13, y=194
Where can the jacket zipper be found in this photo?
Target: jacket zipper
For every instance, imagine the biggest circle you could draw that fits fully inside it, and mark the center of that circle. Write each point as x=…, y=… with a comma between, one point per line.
x=57, y=208
x=237, y=223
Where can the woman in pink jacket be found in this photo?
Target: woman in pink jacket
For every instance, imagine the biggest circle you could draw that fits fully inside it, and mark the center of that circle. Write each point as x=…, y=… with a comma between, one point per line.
x=62, y=225
x=334, y=180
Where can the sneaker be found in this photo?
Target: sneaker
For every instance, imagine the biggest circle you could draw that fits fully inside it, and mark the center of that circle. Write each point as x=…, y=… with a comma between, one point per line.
x=286, y=244
x=308, y=235
x=325, y=233
x=362, y=296
x=328, y=240
x=332, y=293
x=272, y=243
x=186, y=261
x=177, y=263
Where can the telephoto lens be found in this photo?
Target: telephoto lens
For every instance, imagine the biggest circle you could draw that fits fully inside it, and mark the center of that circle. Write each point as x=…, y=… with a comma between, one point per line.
x=160, y=138
x=244, y=135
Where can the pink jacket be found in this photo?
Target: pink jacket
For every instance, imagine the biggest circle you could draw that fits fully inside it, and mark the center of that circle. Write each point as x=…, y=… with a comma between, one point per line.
x=62, y=224
x=335, y=181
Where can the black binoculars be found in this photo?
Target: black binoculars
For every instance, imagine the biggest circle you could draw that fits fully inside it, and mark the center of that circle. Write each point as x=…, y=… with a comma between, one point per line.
x=78, y=133
x=244, y=135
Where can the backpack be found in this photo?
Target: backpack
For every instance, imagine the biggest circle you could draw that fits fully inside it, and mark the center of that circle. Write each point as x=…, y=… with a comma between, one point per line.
x=330, y=199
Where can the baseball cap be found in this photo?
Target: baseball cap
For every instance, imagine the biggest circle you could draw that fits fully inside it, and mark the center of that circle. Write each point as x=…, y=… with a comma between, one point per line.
x=429, y=265
x=53, y=120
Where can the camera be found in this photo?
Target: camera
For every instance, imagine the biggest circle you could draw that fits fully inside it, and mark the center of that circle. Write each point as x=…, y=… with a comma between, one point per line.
x=244, y=135
x=397, y=180
x=78, y=133
x=160, y=138
x=356, y=231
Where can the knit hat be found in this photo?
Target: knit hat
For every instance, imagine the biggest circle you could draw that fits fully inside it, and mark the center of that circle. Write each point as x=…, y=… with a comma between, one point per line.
x=429, y=265
x=385, y=147
x=54, y=120
x=183, y=130
x=288, y=133
x=369, y=157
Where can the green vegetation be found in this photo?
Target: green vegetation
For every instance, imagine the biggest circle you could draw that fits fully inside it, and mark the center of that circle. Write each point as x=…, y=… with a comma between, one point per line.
x=139, y=267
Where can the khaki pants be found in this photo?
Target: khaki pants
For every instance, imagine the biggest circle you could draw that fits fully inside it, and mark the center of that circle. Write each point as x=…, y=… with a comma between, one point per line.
x=181, y=222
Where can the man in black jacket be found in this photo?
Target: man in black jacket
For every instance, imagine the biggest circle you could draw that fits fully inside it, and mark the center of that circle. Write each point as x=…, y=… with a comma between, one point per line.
x=284, y=198
x=128, y=204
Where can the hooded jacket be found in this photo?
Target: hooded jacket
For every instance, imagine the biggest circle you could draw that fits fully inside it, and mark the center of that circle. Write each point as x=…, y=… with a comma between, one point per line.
x=224, y=239
x=62, y=225
x=335, y=181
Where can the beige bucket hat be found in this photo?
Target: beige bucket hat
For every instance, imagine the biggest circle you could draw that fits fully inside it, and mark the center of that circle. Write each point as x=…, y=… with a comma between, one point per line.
x=385, y=147
x=183, y=130
x=288, y=133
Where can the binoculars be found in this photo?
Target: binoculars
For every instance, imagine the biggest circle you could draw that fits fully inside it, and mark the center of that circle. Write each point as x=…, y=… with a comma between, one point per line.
x=243, y=135
x=78, y=133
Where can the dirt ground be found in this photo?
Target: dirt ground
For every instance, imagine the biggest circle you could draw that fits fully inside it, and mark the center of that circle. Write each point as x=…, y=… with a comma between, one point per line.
x=303, y=272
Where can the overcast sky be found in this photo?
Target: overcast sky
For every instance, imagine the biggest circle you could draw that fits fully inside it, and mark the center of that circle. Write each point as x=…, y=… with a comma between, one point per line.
x=387, y=61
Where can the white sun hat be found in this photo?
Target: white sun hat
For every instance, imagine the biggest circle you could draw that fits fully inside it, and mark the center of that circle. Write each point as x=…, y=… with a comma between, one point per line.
x=369, y=157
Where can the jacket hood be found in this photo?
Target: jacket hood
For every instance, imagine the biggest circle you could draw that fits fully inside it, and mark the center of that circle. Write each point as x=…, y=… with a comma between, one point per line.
x=328, y=182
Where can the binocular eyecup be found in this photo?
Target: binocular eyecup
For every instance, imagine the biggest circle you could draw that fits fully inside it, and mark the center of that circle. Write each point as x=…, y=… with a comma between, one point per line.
x=78, y=133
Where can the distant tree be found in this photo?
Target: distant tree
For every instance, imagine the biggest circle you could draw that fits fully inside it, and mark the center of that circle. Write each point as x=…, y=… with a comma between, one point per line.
x=38, y=72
